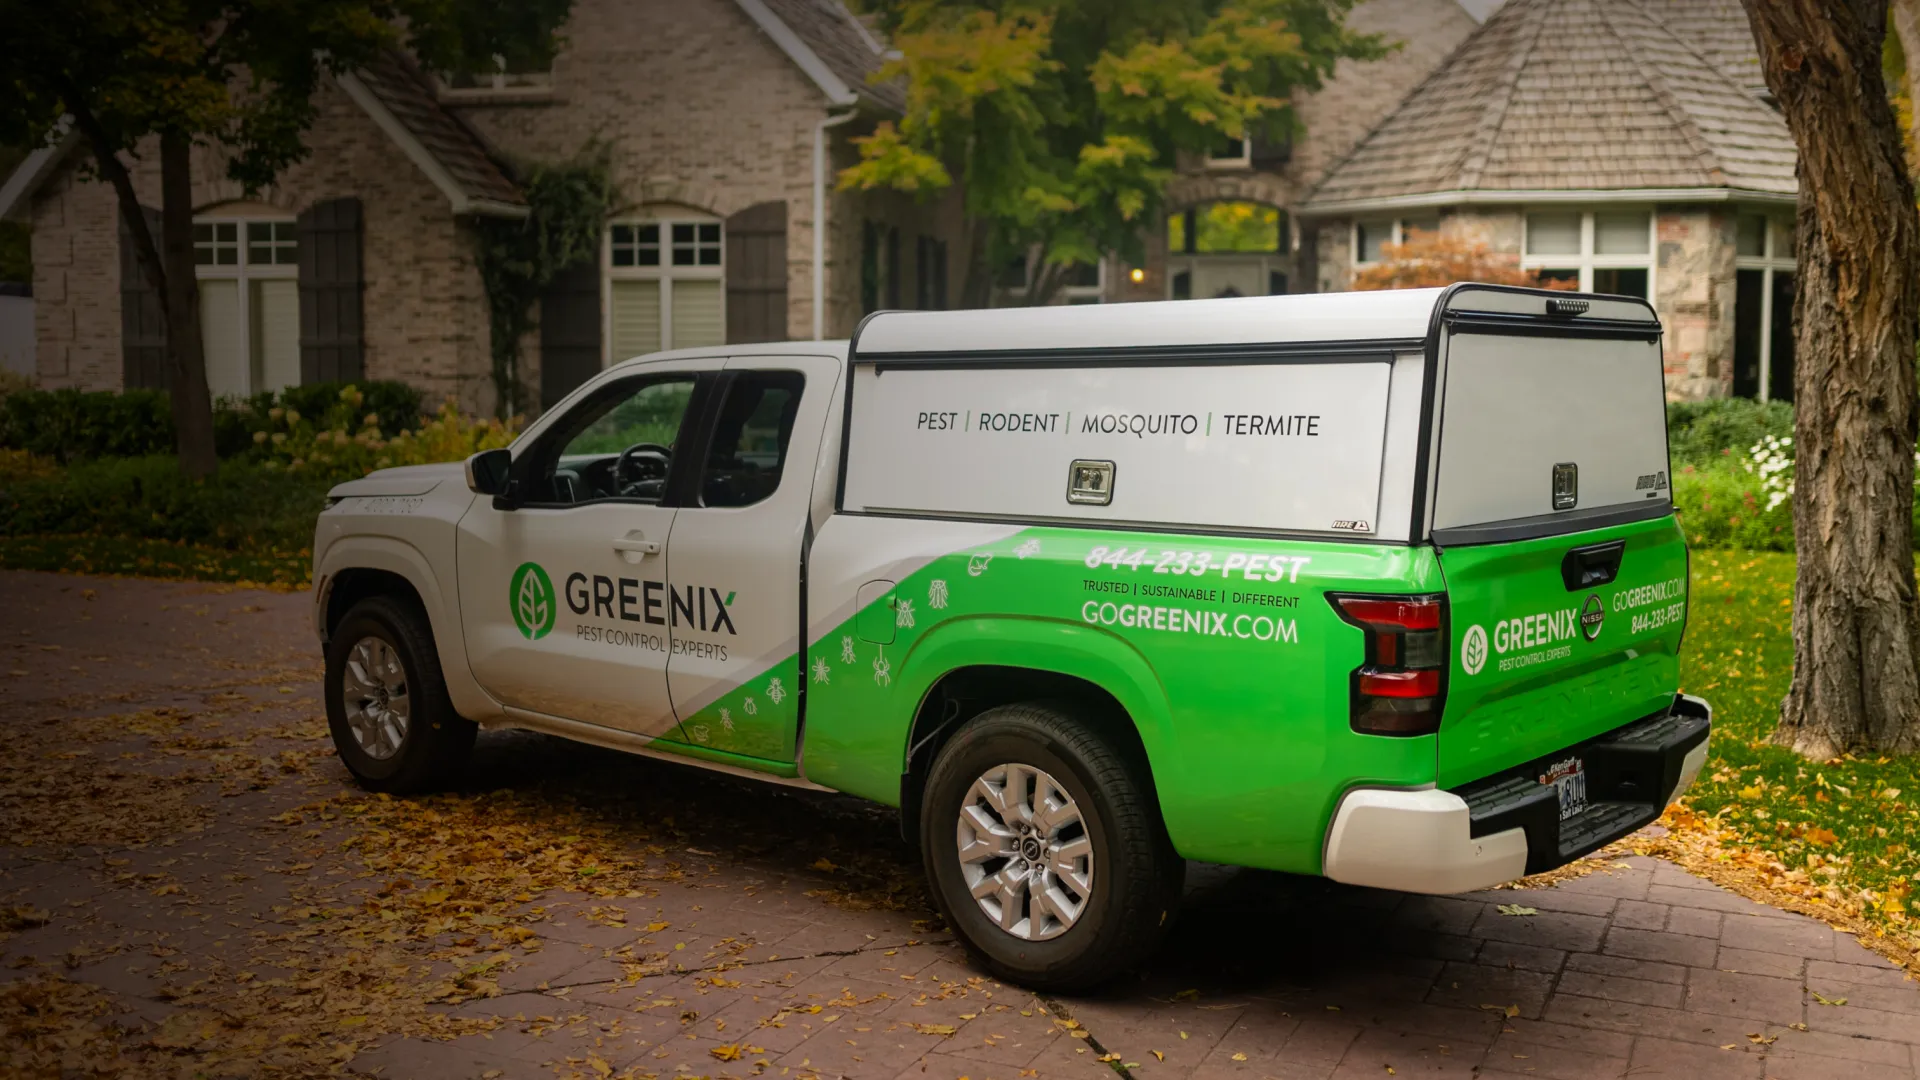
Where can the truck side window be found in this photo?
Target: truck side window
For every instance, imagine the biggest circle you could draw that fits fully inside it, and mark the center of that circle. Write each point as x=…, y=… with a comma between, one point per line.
x=616, y=445
x=750, y=438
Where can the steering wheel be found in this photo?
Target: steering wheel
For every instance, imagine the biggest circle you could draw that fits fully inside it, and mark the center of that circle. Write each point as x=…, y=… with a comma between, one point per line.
x=657, y=458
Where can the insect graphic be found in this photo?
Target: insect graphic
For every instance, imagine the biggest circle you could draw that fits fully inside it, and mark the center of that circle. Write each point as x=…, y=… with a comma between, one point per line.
x=822, y=671
x=882, y=671
x=977, y=564
x=776, y=692
x=726, y=719
x=1027, y=550
x=699, y=733
x=750, y=707
x=903, y=614
x=846, y=650
x=937, y=594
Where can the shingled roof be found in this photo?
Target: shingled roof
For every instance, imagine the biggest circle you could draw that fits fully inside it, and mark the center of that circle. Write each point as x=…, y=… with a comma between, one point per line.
x=404, y=104
x=1571, y=95
x=1717, y=30
x=831, y=46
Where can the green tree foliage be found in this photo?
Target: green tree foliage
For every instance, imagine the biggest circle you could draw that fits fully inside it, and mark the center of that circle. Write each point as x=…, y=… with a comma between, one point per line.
x=236, y=74
x=1063, y=119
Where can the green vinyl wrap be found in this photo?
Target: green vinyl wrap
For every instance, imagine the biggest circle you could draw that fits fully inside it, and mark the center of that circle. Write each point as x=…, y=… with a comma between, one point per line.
x=1237, y=674
x=1539, y=688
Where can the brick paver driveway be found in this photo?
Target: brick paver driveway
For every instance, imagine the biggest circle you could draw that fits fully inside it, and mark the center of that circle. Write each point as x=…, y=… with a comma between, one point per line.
x=192, y=886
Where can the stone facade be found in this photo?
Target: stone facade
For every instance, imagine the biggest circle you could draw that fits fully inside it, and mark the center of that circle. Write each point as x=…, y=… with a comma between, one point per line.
x=1692, y=278
x=1694, y=294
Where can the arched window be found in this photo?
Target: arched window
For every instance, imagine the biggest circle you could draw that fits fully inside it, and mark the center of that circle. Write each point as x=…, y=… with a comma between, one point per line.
x=1220, y=228
x=665, y=282
x=1228, y=248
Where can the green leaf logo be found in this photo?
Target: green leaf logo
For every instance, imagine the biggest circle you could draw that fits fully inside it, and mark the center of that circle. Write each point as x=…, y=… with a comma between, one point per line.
x=530, y=596
x=1473, y=651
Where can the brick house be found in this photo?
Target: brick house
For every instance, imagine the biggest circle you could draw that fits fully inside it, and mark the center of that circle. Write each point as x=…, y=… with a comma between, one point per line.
x=727, y=121
x=1626, y=145
x=356, y=263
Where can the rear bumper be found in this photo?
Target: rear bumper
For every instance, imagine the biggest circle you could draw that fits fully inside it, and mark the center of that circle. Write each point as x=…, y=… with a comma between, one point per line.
x=1508, y=825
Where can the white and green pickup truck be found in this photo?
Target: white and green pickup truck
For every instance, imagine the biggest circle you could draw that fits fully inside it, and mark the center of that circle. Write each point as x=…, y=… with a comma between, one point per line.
x=1381, y=586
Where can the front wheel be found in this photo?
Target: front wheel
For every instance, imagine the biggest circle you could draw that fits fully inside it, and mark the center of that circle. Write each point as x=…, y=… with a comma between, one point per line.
x=1045, y=849
x=392, y=722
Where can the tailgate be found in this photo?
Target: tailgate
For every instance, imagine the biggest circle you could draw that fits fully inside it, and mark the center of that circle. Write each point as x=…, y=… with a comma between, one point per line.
x=1558, y=639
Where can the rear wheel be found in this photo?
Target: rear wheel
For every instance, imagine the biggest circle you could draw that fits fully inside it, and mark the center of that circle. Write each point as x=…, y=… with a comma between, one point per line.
x=1045, y=849
x=387, y=706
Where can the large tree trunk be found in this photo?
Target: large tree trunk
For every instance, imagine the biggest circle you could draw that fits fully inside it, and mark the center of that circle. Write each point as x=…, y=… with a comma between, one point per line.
x=186, y=363
x=1856, y=626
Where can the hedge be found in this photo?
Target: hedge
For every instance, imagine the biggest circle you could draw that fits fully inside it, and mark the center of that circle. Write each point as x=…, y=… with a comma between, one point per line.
x=80, y=425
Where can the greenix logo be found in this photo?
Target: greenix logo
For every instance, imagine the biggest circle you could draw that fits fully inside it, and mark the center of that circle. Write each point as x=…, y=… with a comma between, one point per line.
x=530, y=595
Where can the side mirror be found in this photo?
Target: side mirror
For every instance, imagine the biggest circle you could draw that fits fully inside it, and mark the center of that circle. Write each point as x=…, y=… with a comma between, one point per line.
x=488, y=470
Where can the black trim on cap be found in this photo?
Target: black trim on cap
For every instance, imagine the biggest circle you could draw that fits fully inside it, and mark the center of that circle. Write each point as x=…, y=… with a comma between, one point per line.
x=1367, y=351
x=1532, y=528
x=1542, y=324
x=1504, y=322
x=846, y=412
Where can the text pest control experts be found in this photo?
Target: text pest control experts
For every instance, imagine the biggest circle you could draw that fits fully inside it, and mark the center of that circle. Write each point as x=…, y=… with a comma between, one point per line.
x=1385, y=587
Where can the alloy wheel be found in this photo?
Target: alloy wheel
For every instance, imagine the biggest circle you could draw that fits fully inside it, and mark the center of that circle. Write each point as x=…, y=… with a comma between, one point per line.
x=1025, y=852
x=374, y=691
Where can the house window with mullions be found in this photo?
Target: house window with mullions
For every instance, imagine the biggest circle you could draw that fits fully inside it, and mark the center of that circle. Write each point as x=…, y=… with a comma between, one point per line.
x=665, y=285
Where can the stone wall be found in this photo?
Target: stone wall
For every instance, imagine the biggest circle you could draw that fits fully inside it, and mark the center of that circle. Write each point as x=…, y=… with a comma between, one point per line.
x=1693, y=282
x=1694, y=293
x=425, y=309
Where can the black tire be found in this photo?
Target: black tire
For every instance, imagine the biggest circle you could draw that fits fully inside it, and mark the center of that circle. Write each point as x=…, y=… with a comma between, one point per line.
x=1137, y=876
x=437, y=739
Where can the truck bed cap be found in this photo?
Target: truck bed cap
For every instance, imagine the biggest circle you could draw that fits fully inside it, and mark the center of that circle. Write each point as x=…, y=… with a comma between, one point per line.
x=1393, y=319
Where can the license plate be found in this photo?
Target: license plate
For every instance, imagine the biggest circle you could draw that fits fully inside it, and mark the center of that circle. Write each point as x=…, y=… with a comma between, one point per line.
x=1569, y=780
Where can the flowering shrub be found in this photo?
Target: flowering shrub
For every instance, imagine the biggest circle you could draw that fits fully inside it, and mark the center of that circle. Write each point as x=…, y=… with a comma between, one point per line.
x=1745, y=502
x=1771, y=459
x=346, y=443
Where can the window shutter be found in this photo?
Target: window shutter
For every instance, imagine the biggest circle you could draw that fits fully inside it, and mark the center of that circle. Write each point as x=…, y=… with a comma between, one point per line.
x=143, y=323
x=757, y=274
x=331, y=284
x=570, y=331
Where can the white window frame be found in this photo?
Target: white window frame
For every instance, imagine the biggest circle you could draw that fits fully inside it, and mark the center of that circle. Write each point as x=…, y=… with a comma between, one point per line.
x=498, y=83
x=1242, y=160
x=1768, y=261
x=1585, y=261
x=245, y=272
x=666, y=273
x=1084, y=294
x=1397, y=232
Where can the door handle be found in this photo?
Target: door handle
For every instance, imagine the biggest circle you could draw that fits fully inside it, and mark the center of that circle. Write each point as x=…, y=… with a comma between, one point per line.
x=637, y=547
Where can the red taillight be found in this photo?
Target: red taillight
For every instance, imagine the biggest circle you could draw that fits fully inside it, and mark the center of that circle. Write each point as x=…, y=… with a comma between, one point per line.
x=1401, y=686
x=1398, y=612
x=1406, y=684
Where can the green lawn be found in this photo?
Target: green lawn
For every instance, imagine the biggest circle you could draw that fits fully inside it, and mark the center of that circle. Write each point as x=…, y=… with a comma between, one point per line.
x=1845, y=831
x=154, y=559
